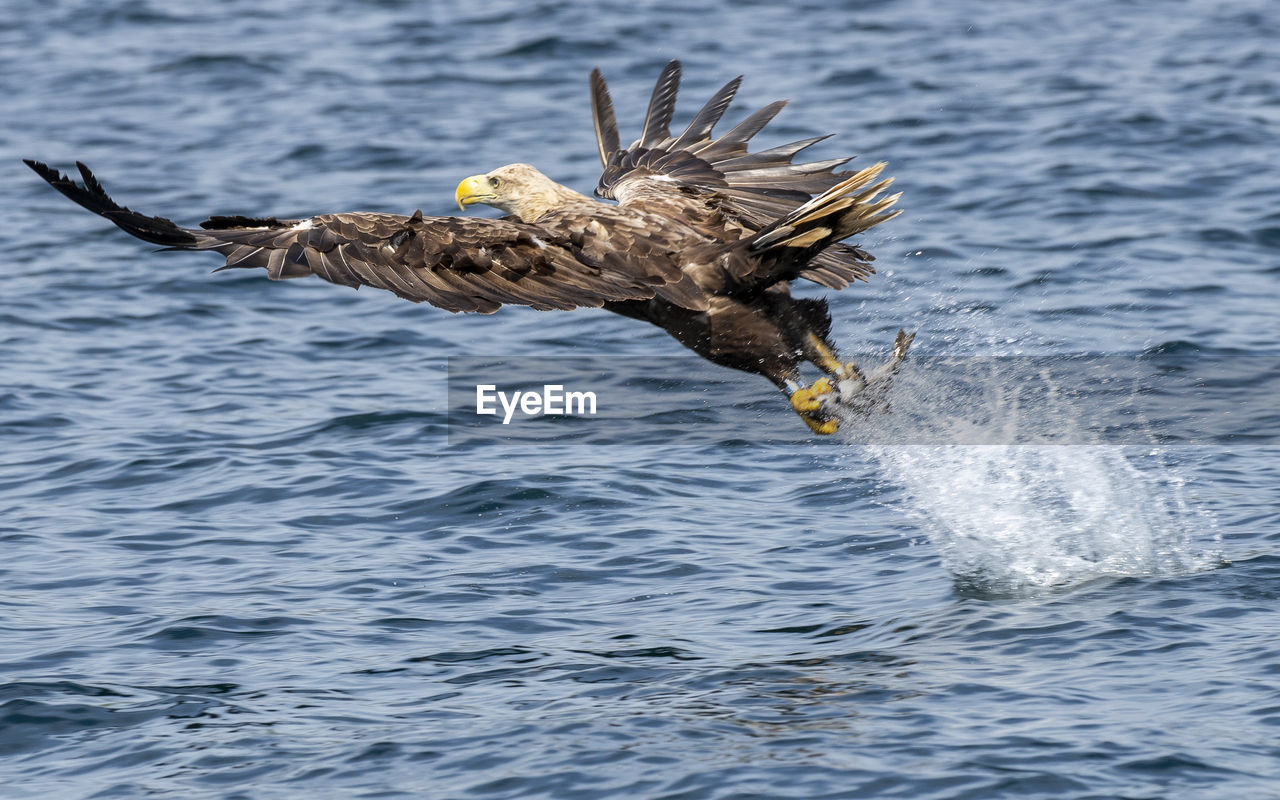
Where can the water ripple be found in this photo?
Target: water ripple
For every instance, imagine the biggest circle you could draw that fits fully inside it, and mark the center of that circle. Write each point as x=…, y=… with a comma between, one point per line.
x=243, y=560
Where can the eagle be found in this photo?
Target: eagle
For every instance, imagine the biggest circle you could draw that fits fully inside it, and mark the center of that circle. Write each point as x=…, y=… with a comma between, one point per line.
x=688, y=231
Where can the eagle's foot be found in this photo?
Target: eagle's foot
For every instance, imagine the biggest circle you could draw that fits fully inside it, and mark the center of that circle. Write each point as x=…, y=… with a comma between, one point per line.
x=820, y=426
x=807, y=399
x=808, y=403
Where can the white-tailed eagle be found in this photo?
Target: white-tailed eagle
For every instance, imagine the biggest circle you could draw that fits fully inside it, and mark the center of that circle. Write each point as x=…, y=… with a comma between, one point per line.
x=702, y=241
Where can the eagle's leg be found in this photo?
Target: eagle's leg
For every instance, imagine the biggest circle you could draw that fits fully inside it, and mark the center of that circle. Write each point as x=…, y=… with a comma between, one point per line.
x=823, y=356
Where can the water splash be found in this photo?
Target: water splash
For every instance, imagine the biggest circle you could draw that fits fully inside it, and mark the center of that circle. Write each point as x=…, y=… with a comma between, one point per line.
x=1022, y=497
x=1022, y=519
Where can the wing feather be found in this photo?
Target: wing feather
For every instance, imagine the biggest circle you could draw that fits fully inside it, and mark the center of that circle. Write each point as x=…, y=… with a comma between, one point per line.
x=770, y=173
x=456, y=263
x=783, y=153
x=699, y=130
x=740, y=134
x=662, y=104
x=606, y=123
x=715, y=183
x=696, y=160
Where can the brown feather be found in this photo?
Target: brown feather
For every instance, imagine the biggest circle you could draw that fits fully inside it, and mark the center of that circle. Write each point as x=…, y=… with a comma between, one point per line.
x=662, y=105
x=602, y=116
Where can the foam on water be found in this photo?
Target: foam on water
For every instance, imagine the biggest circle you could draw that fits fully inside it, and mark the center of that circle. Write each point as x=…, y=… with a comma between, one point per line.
x=1020, y=519
x=1022, y=497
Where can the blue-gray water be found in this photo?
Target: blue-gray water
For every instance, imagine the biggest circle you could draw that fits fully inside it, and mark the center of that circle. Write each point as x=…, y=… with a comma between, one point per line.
x=240, y=560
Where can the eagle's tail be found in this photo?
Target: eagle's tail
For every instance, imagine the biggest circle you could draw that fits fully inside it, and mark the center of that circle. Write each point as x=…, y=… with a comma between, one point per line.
x=786, y=247
x=91, y=195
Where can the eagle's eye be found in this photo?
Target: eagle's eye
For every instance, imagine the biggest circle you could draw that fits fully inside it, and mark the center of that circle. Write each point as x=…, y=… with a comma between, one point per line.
x=494, y=183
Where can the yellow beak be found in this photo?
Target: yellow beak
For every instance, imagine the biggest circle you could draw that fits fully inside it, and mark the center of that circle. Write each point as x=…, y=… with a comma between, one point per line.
x=473, y=190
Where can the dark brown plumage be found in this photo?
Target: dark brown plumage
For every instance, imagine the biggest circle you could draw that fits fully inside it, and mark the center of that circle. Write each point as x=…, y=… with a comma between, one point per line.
x=701, y=242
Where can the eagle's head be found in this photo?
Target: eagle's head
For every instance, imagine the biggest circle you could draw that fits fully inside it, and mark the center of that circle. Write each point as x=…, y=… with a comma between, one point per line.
x=516, y=189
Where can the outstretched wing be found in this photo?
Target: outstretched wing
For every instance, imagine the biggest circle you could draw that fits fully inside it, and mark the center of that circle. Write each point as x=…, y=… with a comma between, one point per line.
x=456, y=263
x=695, y=168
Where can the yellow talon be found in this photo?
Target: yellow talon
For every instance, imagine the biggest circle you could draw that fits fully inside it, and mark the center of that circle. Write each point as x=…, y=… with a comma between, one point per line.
x=807, y=400
x=820, y=427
